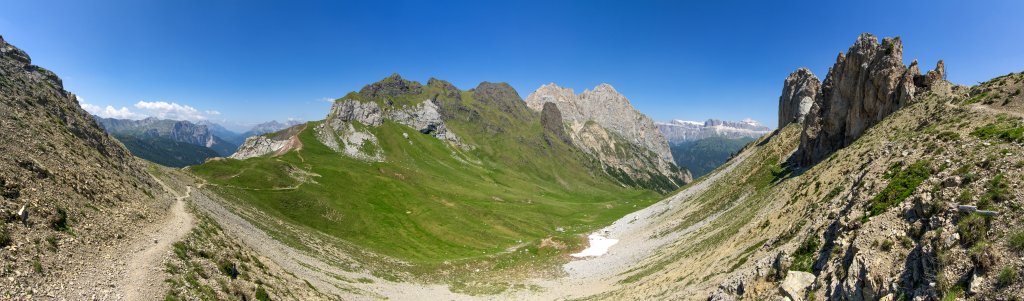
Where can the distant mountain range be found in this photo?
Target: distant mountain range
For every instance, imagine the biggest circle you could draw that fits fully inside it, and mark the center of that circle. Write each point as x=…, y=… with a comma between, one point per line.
x=702, y=146
x=180, y=143
x=677, y=131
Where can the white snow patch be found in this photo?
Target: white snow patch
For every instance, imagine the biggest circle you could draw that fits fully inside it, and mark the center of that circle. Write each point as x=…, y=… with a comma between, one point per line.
x=598, y=246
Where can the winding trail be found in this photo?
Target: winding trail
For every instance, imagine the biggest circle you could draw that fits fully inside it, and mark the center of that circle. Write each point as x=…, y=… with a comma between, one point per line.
x=144, y=277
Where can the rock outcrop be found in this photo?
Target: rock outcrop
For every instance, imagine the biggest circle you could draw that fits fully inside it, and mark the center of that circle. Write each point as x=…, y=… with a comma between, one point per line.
x=679, y=131
x=551, y=121
x=603, y=123
x=865, y=85
x=798, y=94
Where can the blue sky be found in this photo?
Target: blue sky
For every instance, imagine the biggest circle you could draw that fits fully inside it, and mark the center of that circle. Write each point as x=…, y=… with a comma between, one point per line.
x=242, y=62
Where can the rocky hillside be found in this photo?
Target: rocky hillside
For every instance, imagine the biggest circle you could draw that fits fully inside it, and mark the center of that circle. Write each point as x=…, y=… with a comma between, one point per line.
x=679, y=131
x=922, y=203
x=603, y=123
x=68, y=191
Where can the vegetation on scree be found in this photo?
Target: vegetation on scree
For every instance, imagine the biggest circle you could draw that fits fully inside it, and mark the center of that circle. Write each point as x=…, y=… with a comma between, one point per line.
x=803, y=257
x=901, y=185
x=1002, y=129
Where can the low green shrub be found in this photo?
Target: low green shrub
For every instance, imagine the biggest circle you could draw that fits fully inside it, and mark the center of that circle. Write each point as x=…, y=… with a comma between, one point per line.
x=261, y=294
x=972, y=229
x=1007, y=276
x=803, y=257
x=901, y=185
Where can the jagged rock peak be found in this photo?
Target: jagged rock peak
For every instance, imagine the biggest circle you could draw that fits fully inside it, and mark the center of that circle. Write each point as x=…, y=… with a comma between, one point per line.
x=606, y=107
x=867, y=83
x=392, y=86
x=799, y=91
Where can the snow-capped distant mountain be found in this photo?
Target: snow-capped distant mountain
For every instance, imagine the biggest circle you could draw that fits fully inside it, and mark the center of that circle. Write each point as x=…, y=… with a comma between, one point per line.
x=678, y=131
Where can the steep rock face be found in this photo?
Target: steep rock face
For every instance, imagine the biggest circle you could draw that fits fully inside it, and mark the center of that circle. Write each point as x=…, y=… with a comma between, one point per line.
x=865, y=85
x=604, y=124
x=680, y=131
x=551, y=120
x=798, y=94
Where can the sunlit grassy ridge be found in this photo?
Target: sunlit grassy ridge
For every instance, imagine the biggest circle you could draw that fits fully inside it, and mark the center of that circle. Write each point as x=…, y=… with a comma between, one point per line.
x=429, y=201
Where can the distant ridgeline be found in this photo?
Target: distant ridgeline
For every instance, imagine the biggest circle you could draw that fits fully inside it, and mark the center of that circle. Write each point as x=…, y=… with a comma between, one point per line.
x=167, y=142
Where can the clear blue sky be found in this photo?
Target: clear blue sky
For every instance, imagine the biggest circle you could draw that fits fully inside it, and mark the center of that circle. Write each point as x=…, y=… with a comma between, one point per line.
x=254, y=61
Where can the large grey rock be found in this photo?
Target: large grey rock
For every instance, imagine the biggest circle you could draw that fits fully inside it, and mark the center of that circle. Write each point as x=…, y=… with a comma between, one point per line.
x=799, y=91
x=796, y=284
x=867, y=83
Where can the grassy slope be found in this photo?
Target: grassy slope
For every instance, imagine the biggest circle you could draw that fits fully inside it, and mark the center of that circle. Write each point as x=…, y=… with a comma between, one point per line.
x=430, y=203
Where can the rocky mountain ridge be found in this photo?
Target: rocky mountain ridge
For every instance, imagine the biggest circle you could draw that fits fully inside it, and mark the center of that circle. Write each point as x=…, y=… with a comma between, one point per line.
x=865, y=85
x=603, y=123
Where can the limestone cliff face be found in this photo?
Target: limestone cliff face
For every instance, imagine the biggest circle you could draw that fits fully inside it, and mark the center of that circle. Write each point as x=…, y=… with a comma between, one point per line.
x=865, y=85
x=603, y=123
x=798, y=94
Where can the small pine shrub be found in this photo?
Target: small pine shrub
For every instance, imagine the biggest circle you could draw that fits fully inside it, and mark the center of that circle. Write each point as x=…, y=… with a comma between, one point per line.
x=36, y=265
x=1007, y=276
x=59, y=221
x=261, y=294
x=228, y=268
x=886, y=245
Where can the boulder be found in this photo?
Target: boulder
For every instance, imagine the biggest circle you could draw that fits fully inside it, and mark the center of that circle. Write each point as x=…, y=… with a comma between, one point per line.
x=796, y=284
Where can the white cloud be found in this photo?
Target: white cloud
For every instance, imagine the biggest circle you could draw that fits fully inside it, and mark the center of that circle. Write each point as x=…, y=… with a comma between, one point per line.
x=327, y=99
x=158, y=109
x=111, y=112
x=172, y=110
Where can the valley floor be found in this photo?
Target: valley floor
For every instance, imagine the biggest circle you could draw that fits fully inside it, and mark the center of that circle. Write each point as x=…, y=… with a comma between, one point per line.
x=324, y=270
